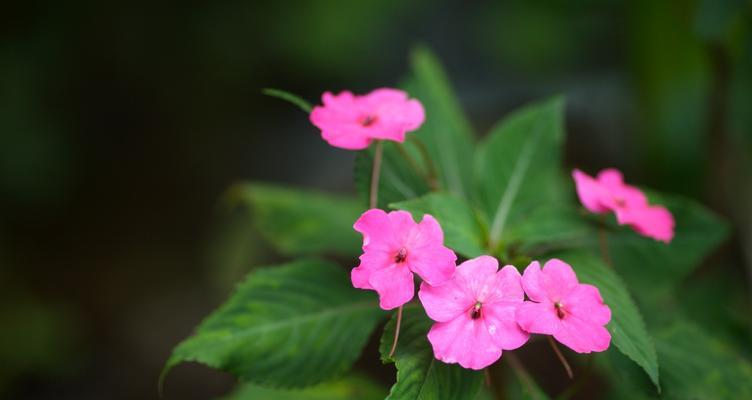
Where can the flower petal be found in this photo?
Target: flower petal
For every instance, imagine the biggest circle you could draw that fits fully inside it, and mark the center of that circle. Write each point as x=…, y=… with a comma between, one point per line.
x=465, y=341
x=551, y=283
x=477, y=276
x=501, y=323
x=508, y=286
x=427, y=255
x=375, y=227
x=582, y=336
x=538, y=318
x=652, y=221
x=585, y=302
x=559, y=279
x=445, y=302
x=394, y=285
x=589, y=191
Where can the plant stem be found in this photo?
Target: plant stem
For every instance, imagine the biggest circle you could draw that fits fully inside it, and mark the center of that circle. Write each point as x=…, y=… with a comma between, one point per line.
x=579, y=383
x=376, y=174
x=396, y=332
x=431, y=182
x=522, y=374
x=561, y=357
x=603, y=241
x=427, y=158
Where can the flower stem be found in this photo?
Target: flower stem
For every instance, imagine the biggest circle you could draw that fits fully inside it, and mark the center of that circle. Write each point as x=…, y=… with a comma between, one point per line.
x=431, y=177
x=561, y=357
x=603, y=241
x=396, y=332
x=375, y=174
x=521, y=373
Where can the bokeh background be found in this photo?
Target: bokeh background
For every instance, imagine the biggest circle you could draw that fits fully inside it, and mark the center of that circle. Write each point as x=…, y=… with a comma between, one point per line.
x=122, y=123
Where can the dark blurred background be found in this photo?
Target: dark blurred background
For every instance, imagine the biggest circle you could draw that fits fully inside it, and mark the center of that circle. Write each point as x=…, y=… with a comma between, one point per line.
x=122, y=123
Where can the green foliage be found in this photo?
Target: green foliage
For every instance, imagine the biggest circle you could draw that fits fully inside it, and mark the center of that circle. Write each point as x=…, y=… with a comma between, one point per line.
x=289, y=97
x=402, y=176
x=462, y=230
x=550, y=227
x=654, y=269
x=518, y=165
x=301, y=222
x=446, y=133
x=349, y=388
x=301, y=324
x=288, y=326
x=697, y=366
x=694, y=365
x=627, y=328
x=419, y=374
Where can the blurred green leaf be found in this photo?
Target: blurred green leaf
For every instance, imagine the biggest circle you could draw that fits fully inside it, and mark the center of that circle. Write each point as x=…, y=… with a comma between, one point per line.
x=300, y=222
x=697, y=366
x=653, y=269
x=289, y=97
x=419, y=374
x=289, y=326
x=402, y=175
x=349, y=388
x=518, y=165
x=446, y=133
x=550, y=227
x=462, y=230
x=627, y=327
x=694, y=365
x=522, y=385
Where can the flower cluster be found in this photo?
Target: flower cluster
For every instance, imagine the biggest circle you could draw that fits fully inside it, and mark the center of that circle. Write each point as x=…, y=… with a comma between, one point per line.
x=479, y=310
x=608, y=192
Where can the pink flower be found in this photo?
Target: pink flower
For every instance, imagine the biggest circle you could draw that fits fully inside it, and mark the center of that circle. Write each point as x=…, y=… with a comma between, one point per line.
x=352, y=122
x=572, y=312
x=608, y=192
x=394, y=247
x=475, y=313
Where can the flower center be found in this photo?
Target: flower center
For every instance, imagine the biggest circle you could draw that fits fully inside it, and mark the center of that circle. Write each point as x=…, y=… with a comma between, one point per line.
x=367, y=120
x=401, y=255
x=620, y=202
x=475, y=313
x=560, y=310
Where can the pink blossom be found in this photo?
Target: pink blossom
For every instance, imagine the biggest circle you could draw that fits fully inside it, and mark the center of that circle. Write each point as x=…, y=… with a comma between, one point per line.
x=608, y=192
x=574, y=313
x=394, y=247
x=352, y=122
x=475, y=313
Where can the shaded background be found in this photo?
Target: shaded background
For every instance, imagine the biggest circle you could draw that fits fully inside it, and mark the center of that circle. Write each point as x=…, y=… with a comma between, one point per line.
x=121, y=124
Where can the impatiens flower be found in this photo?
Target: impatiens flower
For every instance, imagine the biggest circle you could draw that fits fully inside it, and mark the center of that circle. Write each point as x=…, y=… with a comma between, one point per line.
x=608, y=192
x=574, y=313
x=394, y=247
x=475, y=313
x=352, y=122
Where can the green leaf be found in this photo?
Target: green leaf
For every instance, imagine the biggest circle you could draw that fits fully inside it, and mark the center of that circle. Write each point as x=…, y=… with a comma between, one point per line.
x=551, y=227
x=289, y=97
x=446, y=133
x=518, y=165
x=522, y=385
x=352, y=387
x=402, y=174
x=301, y=222
x=697, y=366
x=627, y=328
x=653, y=269
x=289, y=326
x=462, y=230
x=419, y=374
x=694, y=365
